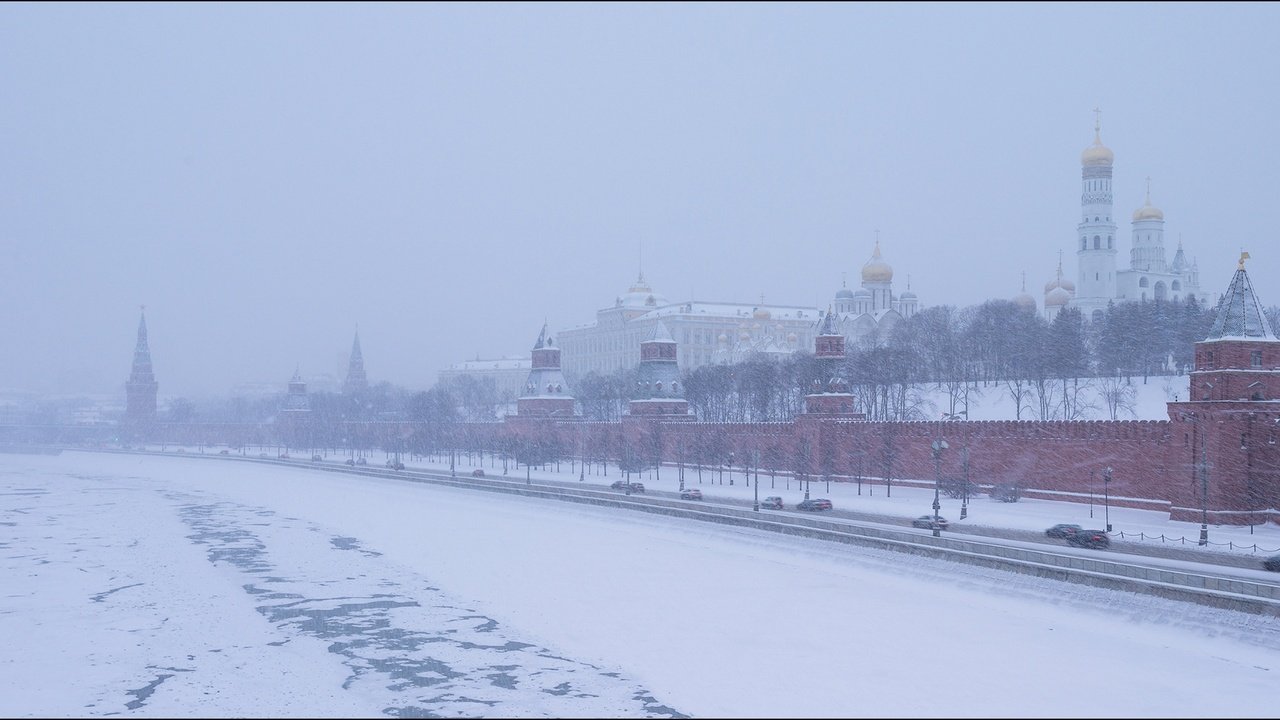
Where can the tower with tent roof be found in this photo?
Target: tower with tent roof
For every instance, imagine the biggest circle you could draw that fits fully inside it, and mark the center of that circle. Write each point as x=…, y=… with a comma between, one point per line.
x=1227, y=432
x=141, y=388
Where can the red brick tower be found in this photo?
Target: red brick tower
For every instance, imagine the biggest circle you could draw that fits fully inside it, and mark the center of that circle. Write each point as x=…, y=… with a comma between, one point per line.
x=830, y=394
x=546, y=393
x=1226, y=432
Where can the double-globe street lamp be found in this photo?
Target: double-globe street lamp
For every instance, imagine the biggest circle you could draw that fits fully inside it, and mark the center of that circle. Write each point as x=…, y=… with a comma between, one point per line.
x=938, y=446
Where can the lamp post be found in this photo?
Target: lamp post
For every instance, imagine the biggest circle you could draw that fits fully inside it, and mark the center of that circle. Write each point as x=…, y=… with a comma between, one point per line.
x=755, y=462
x=964, y=504
x=1106, y=495
x=1204, y=497
x=938, y=446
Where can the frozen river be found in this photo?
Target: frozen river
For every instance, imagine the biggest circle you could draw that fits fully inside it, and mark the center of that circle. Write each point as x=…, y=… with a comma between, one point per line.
x=150, y=586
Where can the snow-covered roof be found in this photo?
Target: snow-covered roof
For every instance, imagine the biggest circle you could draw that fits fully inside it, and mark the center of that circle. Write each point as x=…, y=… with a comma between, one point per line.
x=509, y=363
x=1240, y=315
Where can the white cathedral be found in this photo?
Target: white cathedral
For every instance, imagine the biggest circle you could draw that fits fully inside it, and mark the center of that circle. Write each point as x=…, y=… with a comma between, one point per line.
x=1098, y=282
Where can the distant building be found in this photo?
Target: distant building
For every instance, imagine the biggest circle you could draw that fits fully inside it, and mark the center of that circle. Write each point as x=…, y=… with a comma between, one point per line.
x=508, y=375
x=141, y=388
x=356, y=382
x=704, y=333
x=1150, y=276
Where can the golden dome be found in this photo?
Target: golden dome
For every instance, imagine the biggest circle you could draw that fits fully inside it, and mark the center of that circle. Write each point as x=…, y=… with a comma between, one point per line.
x=877, y=270
x=1148, y=211
x=1097, y=153
x=761, y=314
x=1024, y=300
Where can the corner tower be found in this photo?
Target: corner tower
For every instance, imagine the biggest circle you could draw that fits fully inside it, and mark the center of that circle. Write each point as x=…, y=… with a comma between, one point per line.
x=141, y=388
x=1096, y=233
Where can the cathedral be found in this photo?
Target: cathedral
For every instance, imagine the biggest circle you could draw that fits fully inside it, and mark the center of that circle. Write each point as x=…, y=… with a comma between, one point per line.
x=1150, y=275
x=872, y=308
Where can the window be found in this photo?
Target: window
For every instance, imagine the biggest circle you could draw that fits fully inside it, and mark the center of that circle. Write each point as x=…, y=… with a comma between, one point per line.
x=1110, y=243
x=1176, y=286
x=1097, y=242
x=1255, y=359
x=1208, y=359
x=1084, y=243
x=1142, y=282
x=1244, y=445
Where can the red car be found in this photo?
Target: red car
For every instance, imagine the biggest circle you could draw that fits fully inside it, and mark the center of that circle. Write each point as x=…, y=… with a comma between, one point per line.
x=814, y=504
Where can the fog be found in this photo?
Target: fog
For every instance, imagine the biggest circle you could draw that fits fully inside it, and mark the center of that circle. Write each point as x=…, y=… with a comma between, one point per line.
x=267, y=178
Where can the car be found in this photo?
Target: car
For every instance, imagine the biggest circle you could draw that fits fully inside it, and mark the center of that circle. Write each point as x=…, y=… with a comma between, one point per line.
x=351, y=462
x=927, y=521
x=262, y=455
x=224, y=452
x=773, y=502
x=477, y=473
x=395, y=464
x=618, y=485
x=634, y=487
x=316, y=458
x=691, y=494
x=1090, y=539
x=814, y=504
x=361, y=461
x=1062, y=530
x=1272, y=563
x=283, y=456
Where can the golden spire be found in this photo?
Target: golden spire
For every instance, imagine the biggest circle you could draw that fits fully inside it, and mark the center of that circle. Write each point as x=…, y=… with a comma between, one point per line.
x=1243, y=256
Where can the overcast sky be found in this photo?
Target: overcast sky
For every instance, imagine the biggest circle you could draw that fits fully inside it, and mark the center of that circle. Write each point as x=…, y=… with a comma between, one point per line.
x=266, y=178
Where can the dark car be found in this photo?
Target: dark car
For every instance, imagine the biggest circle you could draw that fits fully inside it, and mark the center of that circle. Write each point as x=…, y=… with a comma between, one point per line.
x=224, y=452
x=361, y=461
x=1272, y=563
x=395, y=464
x=773, y=501
x=477, y=473
x=351, y=462
x=927, y=521
x=691, y=494
x=814, y=504
x=316, y=458
x=634, y=487
x=1090, y=539
x=1062, y=530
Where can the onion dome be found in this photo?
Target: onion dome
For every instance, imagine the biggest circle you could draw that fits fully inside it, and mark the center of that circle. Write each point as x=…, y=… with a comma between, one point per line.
x=1148, y=211
x=761, y=314
x=1058, y=282
x=844, y=293
x=1024, y=299
x=1097, y=154
x=876, y=269
x=1056, y=297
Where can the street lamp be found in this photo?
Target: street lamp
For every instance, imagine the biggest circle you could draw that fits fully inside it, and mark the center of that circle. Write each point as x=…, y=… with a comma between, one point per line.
x=964, y=504
x=755, y=461
x=1106, y=495
x=938, y=446
x=1204, y=496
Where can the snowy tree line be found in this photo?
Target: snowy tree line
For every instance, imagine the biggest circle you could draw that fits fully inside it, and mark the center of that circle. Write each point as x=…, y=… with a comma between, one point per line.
x=1049, y=370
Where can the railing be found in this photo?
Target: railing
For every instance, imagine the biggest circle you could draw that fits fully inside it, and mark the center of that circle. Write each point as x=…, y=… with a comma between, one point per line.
x=1196, y=541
